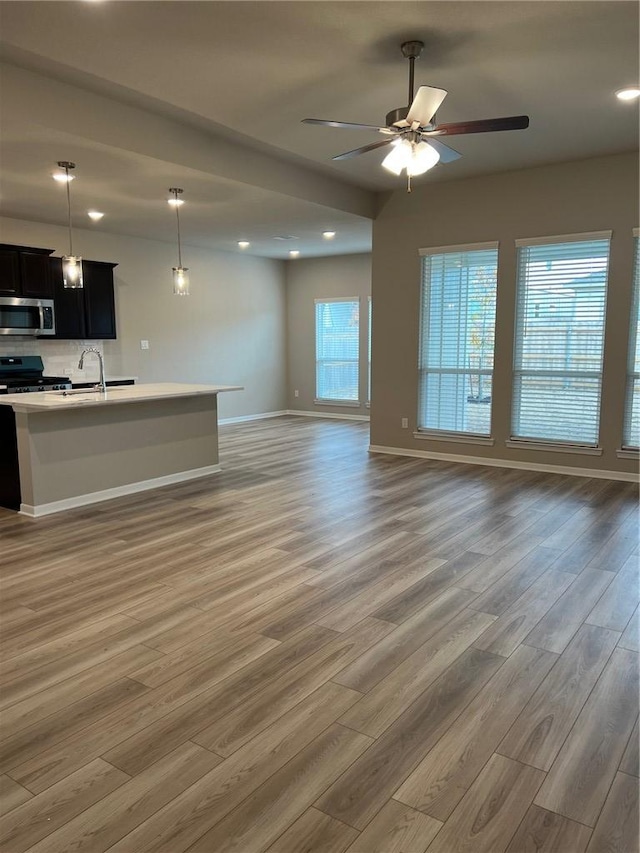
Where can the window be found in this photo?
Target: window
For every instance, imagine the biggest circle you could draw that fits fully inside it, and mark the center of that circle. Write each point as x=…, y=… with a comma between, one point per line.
x=631, y=437
x=561, y=299
x=337, y=350
x=457, y=331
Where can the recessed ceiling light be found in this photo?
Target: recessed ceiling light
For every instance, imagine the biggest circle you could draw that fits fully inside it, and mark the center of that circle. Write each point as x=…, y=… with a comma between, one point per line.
x=328, y=235
x=293, y=253
x=63, y=177
x=94, y=215
x=628, y=94
x=244, y=244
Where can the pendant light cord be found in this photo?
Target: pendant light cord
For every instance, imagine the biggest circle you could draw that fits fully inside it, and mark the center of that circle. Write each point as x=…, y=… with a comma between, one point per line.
x=66, y=168
x=178, y=221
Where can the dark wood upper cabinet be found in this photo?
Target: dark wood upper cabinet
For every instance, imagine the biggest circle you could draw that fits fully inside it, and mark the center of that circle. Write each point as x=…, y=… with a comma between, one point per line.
x=86, y=313
x=25, y=271
x=99, y=301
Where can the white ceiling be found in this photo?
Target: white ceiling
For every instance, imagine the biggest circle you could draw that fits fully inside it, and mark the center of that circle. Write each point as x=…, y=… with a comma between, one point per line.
x=232, y=81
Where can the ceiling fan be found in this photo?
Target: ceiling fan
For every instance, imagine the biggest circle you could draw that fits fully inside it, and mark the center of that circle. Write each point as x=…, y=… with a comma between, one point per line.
x=412, y=132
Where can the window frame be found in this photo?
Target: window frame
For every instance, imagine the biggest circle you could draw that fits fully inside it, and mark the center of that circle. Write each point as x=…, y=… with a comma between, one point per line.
x=336, y=401
x=541, y=443
x=632, y=375
x=431, y=433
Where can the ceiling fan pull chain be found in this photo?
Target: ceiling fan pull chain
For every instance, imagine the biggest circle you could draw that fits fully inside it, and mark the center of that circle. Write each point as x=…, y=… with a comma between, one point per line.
x=408, y=181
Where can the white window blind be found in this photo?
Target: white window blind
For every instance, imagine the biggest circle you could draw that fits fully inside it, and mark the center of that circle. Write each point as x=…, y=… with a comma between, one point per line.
x=337, y=349
x=560, y=314
x=457, y=332
x=631, y=437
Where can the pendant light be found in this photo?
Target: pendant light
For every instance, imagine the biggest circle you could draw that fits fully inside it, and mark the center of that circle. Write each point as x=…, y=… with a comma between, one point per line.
x=180, y=273
x=71, y=264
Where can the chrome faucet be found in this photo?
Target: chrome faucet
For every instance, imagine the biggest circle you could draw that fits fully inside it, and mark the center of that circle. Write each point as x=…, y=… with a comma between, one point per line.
x=101, y=385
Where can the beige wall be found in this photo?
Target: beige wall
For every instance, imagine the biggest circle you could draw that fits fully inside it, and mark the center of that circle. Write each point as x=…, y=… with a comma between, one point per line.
x=318, y=278
x=592, y=195
x=230, y=331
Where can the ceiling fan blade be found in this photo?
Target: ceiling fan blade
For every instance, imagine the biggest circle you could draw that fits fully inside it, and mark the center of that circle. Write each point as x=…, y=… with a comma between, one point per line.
x=482, y=126
x=348, y=125
x=362, y=150
x=447, y=154
x=425, y=103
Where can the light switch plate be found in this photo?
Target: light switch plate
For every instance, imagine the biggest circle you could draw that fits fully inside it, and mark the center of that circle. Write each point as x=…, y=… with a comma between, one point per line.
x=144, y=344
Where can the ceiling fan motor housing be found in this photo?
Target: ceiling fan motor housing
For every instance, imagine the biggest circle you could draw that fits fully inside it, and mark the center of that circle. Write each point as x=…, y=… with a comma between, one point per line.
x=399, y=114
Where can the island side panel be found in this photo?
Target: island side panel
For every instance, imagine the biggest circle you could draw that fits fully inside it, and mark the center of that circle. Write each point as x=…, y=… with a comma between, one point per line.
x=80, y=451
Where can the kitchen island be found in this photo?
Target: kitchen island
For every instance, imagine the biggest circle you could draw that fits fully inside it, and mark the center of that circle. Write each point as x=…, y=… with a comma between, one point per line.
x=78, y=447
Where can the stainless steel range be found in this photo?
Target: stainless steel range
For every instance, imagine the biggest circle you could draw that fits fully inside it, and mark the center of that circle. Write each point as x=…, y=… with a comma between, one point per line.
x=21, y=374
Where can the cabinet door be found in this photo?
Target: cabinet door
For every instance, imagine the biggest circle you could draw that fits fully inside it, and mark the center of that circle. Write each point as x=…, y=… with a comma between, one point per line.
x=35, y=275
x=99, y=303
x=69, y=305
x=9, y=273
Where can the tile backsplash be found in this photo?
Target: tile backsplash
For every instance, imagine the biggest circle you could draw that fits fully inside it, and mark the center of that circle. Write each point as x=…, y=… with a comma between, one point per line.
x=61, y=357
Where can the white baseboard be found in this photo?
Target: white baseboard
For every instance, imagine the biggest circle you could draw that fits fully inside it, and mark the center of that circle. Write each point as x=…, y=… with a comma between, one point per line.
x=258, y=417
x=328, y=415
x=598, y=473
x=116, y=492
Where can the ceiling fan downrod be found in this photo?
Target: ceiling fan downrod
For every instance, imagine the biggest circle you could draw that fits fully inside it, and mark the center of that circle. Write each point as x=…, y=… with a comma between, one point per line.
x=411, y=50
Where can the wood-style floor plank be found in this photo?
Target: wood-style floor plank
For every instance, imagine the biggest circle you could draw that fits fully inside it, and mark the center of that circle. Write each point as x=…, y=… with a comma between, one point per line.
x=580, y=777
x=615, y=608
x=555, y=629
x=11, y=794
x=395, y=693
x=262, y=817
x=491, y=810
x=373, y=665
x=107, y=821
x=397, y=829
x=442, y=778
x=360, y=793
x=315, y=830
x=236, y=728
x=25, y=825
x=630, y=760
x=541, y=729
x=630, y=638
x=505, y=635
x=187, y=817
x=136, y=748
x=617, y=826
x=546, y=832
x=346, y=629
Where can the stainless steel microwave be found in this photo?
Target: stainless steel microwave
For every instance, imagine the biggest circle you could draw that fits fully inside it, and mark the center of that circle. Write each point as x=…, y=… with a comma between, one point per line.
x=20, y=316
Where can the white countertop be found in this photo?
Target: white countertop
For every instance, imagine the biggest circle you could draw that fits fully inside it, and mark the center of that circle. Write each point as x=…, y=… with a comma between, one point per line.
x=48, y=401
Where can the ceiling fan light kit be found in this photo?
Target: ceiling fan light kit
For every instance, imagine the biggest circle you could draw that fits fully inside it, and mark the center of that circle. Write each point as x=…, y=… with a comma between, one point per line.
x=412, y=131
x=416, y=157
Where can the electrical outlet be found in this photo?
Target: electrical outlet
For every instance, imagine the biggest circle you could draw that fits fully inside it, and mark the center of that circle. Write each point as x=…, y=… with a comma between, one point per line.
x=144, y=344
x=296, y=393
x=405, y=423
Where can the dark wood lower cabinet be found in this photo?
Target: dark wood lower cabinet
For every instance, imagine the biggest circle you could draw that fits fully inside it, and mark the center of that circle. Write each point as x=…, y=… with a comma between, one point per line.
x=9, y=471
x=88, y=313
